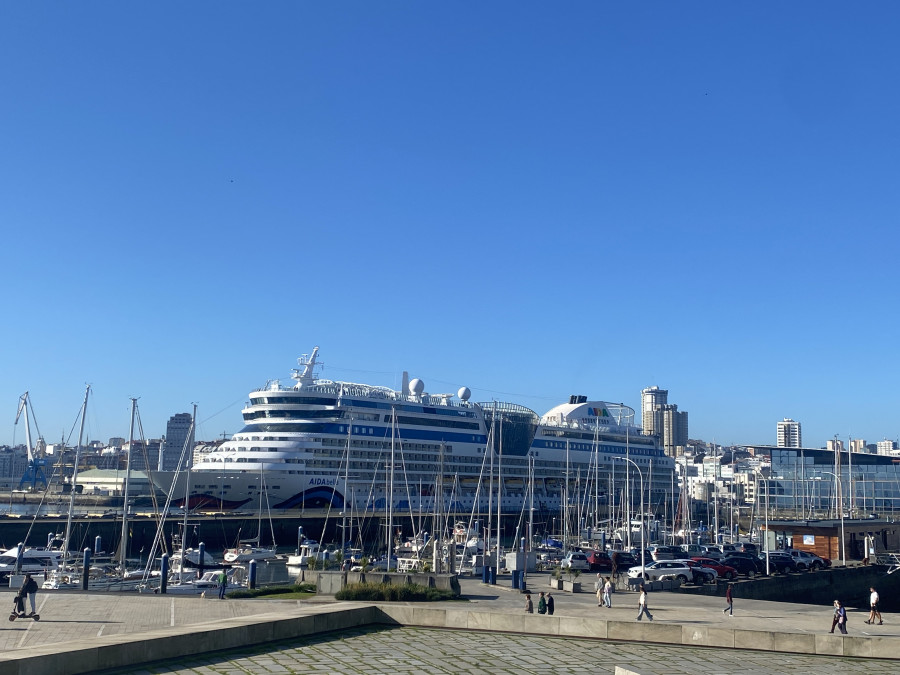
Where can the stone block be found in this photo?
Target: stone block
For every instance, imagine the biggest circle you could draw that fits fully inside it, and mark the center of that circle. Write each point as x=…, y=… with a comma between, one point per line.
x=456, y=618
x=580, y=626
x=754, y=639
x=798, y=643
x=830, y=645
x=479, y=621
x=706, y=636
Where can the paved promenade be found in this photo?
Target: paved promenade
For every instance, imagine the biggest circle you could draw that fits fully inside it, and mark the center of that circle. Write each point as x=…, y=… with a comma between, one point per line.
x=72, y=620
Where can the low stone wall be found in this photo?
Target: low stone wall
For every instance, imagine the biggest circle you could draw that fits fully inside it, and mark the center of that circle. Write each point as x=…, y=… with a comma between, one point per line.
x=122, y=651
x=848, y=584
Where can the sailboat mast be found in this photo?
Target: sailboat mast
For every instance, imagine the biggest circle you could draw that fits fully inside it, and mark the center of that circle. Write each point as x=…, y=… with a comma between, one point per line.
x=189, y=446
x=390, y=523
x=499, y=493
x=123, y=544
x=87, y=392
x=346, y=481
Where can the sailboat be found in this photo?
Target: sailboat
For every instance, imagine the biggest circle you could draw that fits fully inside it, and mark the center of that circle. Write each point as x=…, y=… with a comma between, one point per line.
x=250, y=549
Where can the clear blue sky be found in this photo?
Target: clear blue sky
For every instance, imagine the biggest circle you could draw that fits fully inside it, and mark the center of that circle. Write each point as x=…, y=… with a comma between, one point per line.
x=532, y=199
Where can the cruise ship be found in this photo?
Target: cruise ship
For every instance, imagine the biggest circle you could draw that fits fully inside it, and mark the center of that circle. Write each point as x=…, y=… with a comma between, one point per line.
x=320, y=443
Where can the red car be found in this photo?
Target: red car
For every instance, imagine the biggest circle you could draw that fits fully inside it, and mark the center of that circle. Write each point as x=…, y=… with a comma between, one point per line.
x=724, y=571
x=599, y=561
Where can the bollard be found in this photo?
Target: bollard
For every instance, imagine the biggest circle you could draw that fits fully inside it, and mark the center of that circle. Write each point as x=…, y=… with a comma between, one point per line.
x=98, y=545
x=164, y=573
x=515, y=578
x=86, y=569
x=251, y=575
x=201, y=549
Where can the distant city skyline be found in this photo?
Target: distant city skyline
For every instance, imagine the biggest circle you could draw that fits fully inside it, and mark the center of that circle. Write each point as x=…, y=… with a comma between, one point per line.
x=530, y=200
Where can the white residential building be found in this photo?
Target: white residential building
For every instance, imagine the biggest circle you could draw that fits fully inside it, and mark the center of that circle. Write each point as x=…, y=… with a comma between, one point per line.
x=789, y=434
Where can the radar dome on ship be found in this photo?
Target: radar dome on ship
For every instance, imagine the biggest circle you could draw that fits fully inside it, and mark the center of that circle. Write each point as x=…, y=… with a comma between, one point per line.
x=464, y=393
x=416, y=387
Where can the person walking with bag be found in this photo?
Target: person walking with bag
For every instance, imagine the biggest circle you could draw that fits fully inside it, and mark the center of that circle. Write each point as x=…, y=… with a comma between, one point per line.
x=642, y=605
x=840, y=617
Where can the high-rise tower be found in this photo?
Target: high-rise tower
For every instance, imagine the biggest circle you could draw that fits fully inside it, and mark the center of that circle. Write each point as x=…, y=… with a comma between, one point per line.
x=177, y=430
x=652, y=401
x=789, y=434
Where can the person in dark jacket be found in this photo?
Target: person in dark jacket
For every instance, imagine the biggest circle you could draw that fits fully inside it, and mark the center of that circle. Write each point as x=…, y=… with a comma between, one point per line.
x=550, y=603
x=29, y=588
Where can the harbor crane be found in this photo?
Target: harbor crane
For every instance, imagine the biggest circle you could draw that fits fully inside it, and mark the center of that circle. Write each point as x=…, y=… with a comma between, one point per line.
x=34, y=472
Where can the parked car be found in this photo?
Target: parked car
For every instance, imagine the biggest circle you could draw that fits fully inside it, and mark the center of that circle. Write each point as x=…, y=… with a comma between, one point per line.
x=624, y=560
x=662, y=569
x=723, y=570
x=599, y=561
x=710, y=551
x=806, y=560
x=576, y=560
x=692, y=549
x=665, y=552
x=743, y=565
x=779, y=561
x=699, y=573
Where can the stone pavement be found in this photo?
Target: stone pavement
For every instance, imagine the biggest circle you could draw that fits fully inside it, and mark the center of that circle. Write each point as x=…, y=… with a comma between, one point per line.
x=70, y=617
x=392, y=651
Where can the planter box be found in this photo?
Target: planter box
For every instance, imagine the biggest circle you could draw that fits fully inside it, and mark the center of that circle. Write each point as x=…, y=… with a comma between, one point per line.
x=572, y=586
x=556, y=584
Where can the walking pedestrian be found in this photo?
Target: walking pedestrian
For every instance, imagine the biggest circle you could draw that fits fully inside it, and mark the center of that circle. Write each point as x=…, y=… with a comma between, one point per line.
x=642, y=605
x=550, y=603
x=873, y=607
x=529, y=606
x=840, y=617
x=607, y=592
x=542, y=604
x=729, y=600
x=598, y=589
x=29, y=588
x=615, y=565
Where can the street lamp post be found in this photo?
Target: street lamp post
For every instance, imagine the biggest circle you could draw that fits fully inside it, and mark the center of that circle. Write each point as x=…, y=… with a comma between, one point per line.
x=839, y=499
x=759, y=473
x=643, y=541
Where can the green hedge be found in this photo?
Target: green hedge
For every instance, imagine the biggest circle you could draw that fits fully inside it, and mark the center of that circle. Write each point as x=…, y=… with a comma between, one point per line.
x=273, y=590
x=390, y=592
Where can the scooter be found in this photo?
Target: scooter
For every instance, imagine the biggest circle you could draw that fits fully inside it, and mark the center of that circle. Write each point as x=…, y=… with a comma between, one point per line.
x=19, y=610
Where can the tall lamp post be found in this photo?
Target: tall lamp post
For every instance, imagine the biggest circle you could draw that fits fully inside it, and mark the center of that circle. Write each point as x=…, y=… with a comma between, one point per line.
x=766, y=480
x=643, y=541
x=839, y=499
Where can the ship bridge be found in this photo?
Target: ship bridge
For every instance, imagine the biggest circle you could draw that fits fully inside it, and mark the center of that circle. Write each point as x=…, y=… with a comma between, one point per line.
x=515, y=424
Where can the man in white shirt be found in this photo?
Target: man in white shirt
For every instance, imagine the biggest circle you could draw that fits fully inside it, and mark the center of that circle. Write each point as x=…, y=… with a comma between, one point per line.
x=873, y=607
